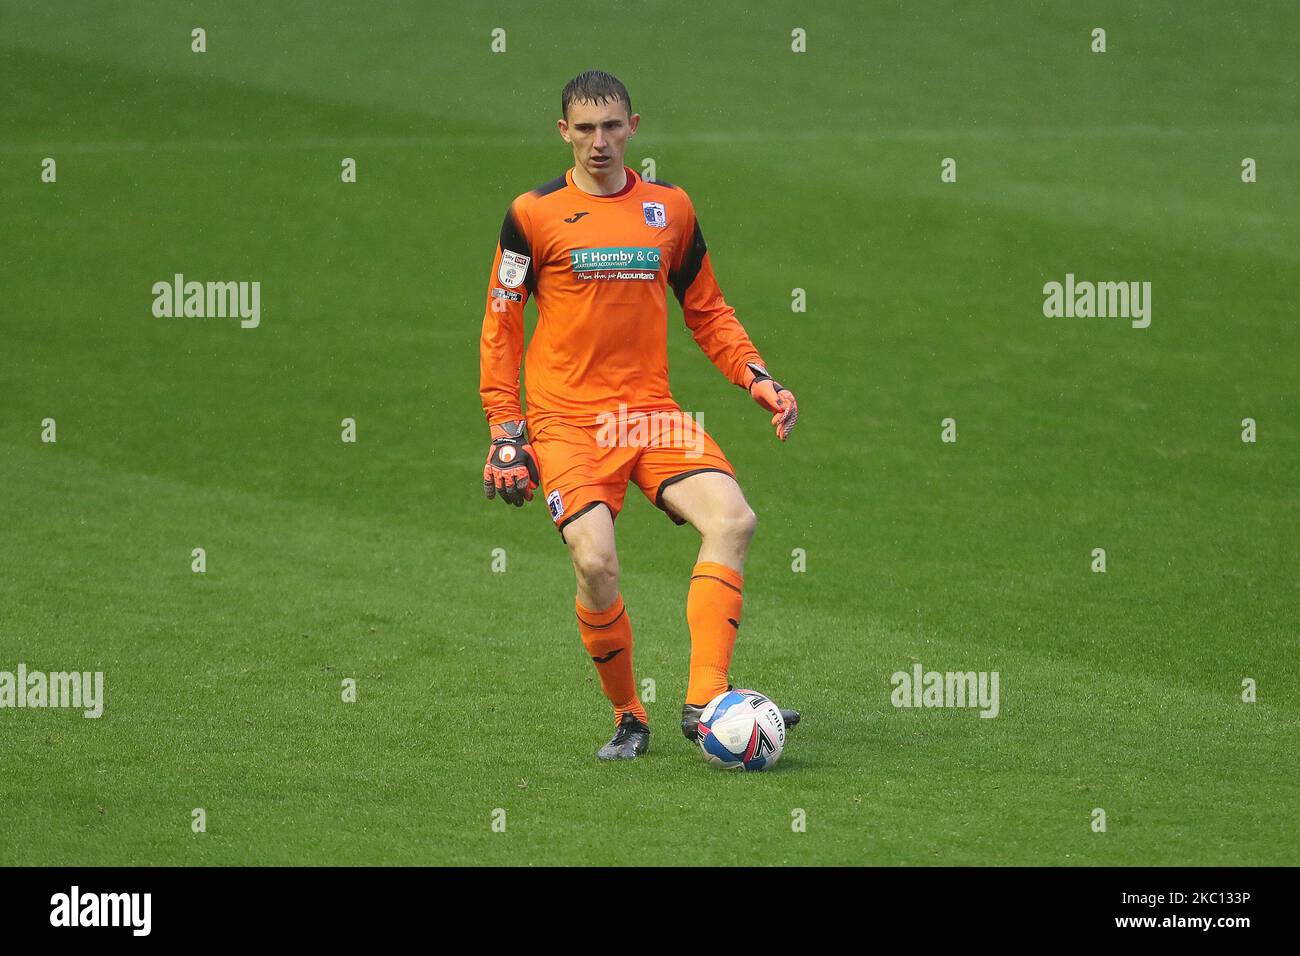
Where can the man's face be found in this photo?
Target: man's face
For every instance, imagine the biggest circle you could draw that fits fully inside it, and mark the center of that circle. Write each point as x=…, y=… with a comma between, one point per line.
x=598, y=133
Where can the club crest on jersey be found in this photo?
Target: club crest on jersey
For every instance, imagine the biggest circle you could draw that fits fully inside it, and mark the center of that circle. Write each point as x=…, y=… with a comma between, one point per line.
x=555, y=504
x=655, y=214
x=513, y=269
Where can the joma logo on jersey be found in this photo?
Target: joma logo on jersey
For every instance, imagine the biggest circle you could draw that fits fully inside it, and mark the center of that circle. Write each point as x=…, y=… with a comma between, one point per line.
x=616, y=262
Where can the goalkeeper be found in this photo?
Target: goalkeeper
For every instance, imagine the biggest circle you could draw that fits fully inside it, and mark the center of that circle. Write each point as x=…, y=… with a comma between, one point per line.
x=599, y=248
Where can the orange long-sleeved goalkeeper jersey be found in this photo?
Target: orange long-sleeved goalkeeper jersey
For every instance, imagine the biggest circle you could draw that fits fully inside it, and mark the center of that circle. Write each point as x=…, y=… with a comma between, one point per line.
x=599, y=268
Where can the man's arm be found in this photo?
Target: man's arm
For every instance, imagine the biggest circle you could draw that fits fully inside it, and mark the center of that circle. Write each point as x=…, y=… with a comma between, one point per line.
x=511, y=469
x=501, y=346
x=712, y=322
x=720, y=335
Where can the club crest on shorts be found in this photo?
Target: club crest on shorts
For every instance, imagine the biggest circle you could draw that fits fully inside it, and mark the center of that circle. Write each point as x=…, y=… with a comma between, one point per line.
x=655, y=214
x=555, y=504
x=513, y=269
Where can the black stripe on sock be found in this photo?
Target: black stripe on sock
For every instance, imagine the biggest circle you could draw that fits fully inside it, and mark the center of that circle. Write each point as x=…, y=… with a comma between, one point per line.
x=719, y=580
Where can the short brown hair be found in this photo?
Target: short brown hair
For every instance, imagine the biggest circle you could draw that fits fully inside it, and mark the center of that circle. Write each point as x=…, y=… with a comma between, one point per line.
x=594, y=86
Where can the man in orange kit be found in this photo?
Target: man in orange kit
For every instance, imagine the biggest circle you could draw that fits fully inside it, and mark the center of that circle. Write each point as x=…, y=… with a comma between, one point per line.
x=598, y=248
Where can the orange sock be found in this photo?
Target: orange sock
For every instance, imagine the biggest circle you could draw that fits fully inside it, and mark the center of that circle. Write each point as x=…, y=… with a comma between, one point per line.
x=713, y=614
x=607, y=635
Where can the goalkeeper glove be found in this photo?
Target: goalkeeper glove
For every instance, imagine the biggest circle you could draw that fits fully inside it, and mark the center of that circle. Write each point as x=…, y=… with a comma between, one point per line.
x=511, y=468
x=773, y=396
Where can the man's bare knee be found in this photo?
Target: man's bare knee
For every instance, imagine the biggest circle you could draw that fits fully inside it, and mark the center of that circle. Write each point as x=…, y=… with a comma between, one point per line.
x=736, y=525
x=590, y=538
x=597, y=570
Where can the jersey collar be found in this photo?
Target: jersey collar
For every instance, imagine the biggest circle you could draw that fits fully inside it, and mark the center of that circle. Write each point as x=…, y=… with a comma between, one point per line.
x=632, y=180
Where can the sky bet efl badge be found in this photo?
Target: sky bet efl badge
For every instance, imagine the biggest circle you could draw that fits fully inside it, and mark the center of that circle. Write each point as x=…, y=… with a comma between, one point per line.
x=654, y=214
x=513, y=269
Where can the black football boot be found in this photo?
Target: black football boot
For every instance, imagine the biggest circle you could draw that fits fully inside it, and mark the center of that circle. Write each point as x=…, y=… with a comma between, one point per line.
x=691, y=720
x=630, y=740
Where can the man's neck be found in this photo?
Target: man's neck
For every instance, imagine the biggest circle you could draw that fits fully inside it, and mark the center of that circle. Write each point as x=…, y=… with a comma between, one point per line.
x=607, y=185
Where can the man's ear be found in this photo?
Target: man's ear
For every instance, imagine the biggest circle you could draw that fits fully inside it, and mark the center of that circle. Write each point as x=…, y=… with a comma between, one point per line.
x=633, y=123
x=563, y=126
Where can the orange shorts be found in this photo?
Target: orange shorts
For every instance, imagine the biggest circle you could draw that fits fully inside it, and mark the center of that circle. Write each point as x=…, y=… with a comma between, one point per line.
x=583, y=466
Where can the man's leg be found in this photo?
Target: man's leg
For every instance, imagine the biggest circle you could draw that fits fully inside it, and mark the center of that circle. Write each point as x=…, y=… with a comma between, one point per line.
x=605, y=627
x=714, y=504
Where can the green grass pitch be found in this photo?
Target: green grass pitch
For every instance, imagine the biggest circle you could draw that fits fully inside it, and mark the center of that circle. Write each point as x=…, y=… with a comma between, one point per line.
x=372, y=561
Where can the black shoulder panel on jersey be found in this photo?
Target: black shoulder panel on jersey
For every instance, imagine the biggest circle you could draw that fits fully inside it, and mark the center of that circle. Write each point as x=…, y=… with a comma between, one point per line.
x=684, y=278
x=661, y=182
x=513, y=238
x=545, y=189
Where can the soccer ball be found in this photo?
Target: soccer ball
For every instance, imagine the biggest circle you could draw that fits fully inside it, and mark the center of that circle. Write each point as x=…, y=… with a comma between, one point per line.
x=742, y=730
